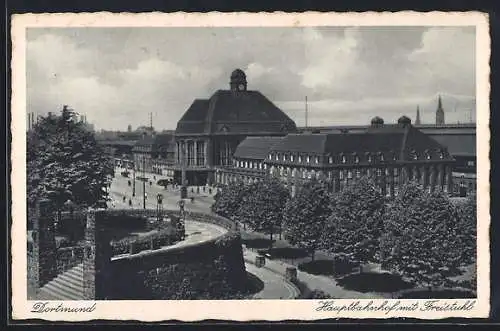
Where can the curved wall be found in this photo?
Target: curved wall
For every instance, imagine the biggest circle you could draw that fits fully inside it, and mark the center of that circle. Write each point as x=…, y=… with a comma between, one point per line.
x=213, y=269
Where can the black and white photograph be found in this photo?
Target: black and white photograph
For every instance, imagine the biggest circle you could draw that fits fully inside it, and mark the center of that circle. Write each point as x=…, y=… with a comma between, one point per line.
x=332, y=166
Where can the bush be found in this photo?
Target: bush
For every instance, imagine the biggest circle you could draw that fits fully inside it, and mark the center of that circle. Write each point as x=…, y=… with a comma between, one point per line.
x=373, y=282
x=284, y=253
x=440, y=293
x=137, y=244
x=318, y=267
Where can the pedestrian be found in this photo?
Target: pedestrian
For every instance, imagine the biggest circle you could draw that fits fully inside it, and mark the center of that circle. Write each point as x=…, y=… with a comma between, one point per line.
x=130, y=202
x=150, y=183
x=124, y=199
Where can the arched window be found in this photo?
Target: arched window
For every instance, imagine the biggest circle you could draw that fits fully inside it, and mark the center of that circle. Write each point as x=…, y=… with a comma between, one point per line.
x=308, y=159
x=344, y=159
x=300, y=158
x=284, y=157
x=277, y=156
x=381, y=156
x=330, y=160
x=316, y=159
x=349, y=174
x=356, y=159
x=270, y=156
x=291, y=158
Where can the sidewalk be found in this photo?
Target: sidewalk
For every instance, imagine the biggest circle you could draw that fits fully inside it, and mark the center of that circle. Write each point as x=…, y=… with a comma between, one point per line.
x=315, y=282
x=275, y=286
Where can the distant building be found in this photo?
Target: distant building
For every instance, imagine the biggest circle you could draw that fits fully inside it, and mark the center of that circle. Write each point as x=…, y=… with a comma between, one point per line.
x=155, y=154
x=391, y=154
x=210, y=130
x=129, y=128
x=417, y=120
x=440, y=113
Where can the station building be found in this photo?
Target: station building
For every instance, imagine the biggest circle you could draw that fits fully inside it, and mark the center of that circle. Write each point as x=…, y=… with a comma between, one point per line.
x=208, y=133
x=392, y=154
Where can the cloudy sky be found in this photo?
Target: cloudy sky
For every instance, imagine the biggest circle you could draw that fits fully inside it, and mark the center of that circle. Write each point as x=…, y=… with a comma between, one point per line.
x=116, y=76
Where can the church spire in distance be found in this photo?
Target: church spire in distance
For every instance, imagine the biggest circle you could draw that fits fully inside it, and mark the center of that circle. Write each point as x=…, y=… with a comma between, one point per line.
x=440, y=112
x=417, y=120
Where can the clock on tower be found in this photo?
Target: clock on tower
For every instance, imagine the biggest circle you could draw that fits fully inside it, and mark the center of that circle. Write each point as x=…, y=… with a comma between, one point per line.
x=238, y=80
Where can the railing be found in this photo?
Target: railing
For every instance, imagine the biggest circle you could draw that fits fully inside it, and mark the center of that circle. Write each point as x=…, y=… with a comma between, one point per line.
x=68, y=257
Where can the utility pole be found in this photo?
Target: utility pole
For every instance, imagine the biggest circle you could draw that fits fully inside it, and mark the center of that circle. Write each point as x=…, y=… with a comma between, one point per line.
x=306, y=111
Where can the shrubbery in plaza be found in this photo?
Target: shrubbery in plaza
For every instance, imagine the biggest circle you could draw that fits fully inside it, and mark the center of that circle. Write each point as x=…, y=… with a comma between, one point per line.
x=355, y=224
x=65, y=162
x=306, y=216
x=426, y=237
x=262, y=208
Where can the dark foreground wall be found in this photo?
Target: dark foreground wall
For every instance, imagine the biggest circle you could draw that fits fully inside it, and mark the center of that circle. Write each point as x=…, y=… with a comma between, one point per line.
x=210, y=270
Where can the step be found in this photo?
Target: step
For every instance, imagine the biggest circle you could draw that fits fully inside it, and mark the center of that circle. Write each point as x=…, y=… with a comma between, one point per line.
x=73, y=274
x=63, y=291
x=45, y=295
x=76, y=281
x=61, y=283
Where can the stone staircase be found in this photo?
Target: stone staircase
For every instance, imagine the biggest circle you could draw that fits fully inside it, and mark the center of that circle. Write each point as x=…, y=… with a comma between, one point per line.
x=66, y=286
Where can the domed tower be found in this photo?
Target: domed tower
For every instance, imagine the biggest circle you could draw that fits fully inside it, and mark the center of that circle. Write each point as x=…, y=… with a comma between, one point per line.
x=377, y=121
x=404, y=121
x=238, y=80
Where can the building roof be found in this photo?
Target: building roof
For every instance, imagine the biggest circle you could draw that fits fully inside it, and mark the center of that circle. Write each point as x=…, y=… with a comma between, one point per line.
x=234, y=112
x=459, y=144
x=400, y=141
x=158, y=142
x=256, y=148
x=459, y=139
x=117, y=142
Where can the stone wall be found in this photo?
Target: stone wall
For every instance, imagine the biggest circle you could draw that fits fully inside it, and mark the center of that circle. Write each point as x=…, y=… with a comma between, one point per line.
x=212, y=269
x=43, y=251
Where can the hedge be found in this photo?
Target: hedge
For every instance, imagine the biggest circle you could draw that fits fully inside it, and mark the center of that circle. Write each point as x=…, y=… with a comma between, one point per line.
x=133, y=245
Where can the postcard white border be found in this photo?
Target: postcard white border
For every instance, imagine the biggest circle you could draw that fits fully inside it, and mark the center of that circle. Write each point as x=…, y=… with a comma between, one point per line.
x=238, y=310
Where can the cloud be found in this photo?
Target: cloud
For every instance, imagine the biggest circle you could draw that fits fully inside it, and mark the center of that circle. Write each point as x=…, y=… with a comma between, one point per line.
x=117, y=76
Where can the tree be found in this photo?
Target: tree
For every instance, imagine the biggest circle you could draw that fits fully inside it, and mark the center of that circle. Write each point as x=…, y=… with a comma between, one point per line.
x=306, y=214
x=355, y=225
x=423, y=239
x=262, y=208
x=467, y=223
x=228, y=200
x=66, y=163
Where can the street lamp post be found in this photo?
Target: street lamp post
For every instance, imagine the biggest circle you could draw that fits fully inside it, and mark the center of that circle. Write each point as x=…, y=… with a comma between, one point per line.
x=144, y=183
x=133, y=184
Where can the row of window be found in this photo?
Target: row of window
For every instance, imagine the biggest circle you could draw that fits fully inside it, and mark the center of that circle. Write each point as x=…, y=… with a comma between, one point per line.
x=343, y=158
x=250, y=164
